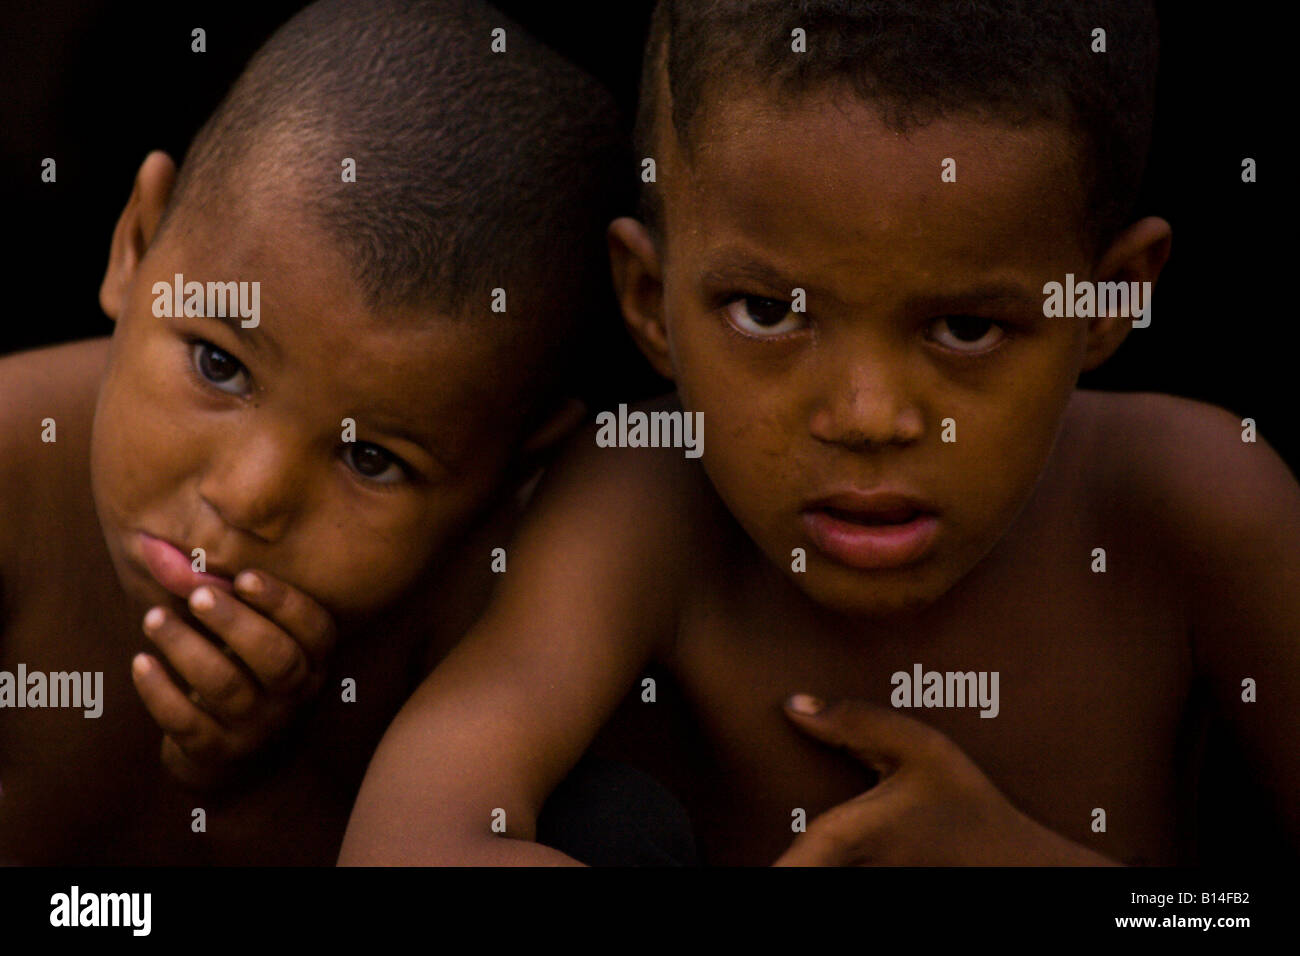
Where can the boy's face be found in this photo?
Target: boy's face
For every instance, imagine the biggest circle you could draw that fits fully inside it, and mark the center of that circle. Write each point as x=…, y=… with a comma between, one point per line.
x=923, y=303
x=209, y=435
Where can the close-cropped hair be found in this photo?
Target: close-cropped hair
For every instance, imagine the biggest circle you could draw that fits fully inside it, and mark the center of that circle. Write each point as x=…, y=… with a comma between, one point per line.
x=474, y=168
x=920, y=60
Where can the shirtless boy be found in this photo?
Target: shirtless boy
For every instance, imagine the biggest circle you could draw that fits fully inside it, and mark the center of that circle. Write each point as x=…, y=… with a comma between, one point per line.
x=898, y=475
x=338, y=452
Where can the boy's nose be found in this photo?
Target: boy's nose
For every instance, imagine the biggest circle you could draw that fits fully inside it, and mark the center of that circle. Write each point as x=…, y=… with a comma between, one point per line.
x=254, y=484
x=865, y=402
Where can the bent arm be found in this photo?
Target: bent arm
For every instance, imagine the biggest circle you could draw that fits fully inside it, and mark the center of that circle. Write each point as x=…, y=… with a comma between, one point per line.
x=589, y=593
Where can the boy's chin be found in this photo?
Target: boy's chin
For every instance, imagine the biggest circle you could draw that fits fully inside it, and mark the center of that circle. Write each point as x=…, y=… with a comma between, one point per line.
x=882, y=595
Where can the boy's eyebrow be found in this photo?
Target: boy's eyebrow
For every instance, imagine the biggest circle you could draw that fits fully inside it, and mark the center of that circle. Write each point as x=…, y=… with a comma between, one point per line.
x=732, y=266
x=988, y=293
x=253, y=335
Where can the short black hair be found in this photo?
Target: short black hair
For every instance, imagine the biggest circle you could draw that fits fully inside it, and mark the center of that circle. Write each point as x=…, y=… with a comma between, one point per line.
x=475, y=169
x=918, y=60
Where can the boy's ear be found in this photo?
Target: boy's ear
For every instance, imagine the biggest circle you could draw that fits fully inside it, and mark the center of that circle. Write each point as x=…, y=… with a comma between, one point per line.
x=136, y=227
x=1137, y=255
x=638, y=283
x=557, y=427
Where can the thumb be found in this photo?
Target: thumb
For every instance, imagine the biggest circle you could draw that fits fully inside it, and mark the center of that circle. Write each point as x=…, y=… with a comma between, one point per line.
x=879, y=737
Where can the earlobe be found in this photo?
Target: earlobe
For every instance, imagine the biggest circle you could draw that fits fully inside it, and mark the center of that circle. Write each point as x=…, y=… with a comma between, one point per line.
x=638, y=282
x=561, y=421
x=1137, y=255
x=558, y=426
x=135, y=230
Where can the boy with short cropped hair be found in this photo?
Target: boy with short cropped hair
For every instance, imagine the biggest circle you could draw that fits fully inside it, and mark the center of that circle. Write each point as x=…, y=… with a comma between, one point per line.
x=341, y=343
x=909, y=536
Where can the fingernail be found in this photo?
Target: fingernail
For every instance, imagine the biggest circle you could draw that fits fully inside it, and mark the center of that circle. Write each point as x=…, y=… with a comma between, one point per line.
x=153, y=620
x=202, y=600
x=140, y=664
x=806, y=704
x=249, y=583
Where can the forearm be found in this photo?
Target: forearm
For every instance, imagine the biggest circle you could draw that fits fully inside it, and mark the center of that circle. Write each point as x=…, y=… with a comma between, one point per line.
x=504, y=851
x=479, y=850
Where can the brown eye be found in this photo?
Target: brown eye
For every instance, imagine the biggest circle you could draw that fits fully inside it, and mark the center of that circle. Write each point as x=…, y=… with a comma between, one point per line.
x=766, y=312
x=968, y=328
x=371, y=461
x=967, y=333
x=218, y=367
x=761, y=317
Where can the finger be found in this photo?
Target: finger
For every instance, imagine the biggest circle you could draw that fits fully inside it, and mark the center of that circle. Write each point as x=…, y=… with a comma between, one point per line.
x=190, y=771
x=275, y=658
x=180, y=765
x=227, y=692
x=172, y=710
x=845, y=835
x=878, y=736
x=301, y=617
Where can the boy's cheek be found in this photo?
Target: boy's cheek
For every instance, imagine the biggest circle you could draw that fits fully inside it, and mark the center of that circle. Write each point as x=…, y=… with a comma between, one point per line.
x=756, y=472
x=142, y=439
x=359, y=571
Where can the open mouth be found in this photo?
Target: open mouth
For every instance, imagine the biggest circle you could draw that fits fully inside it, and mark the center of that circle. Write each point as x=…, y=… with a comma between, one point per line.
x=870, y=532
x=901, y=514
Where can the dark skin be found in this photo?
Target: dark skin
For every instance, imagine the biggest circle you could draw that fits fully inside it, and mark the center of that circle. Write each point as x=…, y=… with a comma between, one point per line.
x=230, y=439
x=923, y=303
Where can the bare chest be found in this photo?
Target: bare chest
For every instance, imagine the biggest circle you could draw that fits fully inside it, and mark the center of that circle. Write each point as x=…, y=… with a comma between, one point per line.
x=1068, y=689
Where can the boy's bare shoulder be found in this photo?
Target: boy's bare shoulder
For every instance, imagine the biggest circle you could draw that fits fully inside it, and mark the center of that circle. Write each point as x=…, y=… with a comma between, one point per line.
x=611, y=505
x=47, y=406
x=43, y=382
x=1208, y=495
x=1197, y=475
x=659, y=488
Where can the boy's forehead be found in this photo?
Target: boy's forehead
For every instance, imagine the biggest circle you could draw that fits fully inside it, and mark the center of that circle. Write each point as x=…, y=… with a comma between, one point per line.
x=263, y=232
x=829, y=165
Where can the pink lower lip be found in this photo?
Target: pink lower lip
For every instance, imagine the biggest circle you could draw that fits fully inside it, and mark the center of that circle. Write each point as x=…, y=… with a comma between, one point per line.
x=870, y=547
x=172, y=569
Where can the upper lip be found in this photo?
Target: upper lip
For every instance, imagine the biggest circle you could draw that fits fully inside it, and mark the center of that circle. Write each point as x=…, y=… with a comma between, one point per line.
x=211, y=565
x=870, y=504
